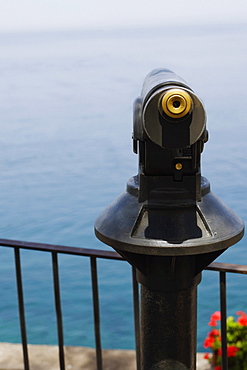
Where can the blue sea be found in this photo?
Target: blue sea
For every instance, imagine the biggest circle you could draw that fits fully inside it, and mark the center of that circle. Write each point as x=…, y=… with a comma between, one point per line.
x=66, y=152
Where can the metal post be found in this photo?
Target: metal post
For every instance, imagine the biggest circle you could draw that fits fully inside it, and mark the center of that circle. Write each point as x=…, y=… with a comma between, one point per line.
x=21, y=308
x=58, y=310
x=168, y=312
x=168, y=329
x=96, y=311
x=223, y=320
x=136, y=318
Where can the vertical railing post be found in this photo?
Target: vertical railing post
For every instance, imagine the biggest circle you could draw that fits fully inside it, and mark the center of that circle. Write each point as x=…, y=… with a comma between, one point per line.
x=58, y=310
x=136, y=318
x=223, y=320
x=21, y=308
x=96, y=311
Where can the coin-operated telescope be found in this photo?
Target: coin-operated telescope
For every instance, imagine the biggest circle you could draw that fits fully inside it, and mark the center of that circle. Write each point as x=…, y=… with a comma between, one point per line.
x=168, y=224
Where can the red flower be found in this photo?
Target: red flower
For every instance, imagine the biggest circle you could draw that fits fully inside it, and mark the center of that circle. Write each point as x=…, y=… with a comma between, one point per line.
x=231, y=351
x=240, y=313
x=208, y=342
x=242, y=320
x=217, y=368
x=206, y=356
x=212, y=323
x=216, y=316
x=214, y=333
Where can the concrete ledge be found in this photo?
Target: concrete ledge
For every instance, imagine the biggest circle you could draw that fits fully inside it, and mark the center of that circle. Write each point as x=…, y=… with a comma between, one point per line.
x=43, y=357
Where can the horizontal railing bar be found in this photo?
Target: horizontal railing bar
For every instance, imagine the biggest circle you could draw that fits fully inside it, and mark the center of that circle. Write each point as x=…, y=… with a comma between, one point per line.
x=227, y=267
x=61, y=249
x=215, y=266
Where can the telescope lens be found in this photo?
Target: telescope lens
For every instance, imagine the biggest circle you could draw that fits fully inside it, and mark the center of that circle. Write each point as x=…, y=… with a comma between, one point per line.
x=176, y=103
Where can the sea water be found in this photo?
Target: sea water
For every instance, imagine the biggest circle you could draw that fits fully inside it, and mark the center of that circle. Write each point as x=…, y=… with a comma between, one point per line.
x=66, y=153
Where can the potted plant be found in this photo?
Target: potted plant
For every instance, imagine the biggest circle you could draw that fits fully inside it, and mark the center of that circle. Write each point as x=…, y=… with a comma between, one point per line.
x=236, y=342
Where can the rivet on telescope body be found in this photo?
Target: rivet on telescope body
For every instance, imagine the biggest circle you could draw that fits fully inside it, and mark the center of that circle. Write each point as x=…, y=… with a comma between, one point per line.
x=178, y=166
x=176, y=103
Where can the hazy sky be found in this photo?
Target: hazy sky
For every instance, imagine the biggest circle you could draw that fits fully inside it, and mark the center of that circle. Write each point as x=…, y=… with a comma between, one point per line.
x=23, y=15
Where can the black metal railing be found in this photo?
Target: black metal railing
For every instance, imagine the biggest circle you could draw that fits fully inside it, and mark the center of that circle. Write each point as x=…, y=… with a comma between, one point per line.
x=94, y=255
x=223, y=269
x=55, y=250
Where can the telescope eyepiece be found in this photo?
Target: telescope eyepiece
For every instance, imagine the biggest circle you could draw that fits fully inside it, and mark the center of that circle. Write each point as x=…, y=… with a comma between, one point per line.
x=168, y=114
x=176, y=103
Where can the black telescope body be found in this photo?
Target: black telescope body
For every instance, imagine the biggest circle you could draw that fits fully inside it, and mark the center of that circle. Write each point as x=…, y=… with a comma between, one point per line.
x=168, y=224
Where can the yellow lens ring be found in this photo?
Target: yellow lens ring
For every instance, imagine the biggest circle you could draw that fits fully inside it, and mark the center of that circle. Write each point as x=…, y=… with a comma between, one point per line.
x=176, y=103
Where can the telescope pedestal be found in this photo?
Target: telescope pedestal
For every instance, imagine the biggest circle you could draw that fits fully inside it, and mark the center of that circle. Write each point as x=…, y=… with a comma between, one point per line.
x=168, y=224
x=168, y=272
x=168, y=329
